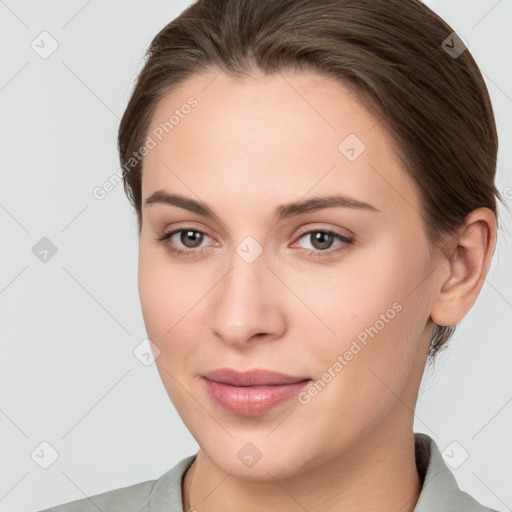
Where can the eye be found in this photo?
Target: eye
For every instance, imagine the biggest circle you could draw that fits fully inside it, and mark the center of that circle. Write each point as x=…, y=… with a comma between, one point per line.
x=321, y=241
x=188, y=241
x=184, y=241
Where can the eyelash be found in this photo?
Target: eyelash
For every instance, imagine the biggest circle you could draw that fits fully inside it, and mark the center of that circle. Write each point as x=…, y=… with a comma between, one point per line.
x=312, y=252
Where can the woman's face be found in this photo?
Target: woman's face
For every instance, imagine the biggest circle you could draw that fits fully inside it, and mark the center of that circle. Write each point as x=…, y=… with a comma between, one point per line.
x=267, y=286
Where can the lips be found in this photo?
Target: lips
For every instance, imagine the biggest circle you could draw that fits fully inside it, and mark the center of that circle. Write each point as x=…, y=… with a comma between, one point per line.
x=256, y=377
x=251, y=393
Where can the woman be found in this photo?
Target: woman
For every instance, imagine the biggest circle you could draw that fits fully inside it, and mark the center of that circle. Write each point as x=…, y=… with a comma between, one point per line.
x=314, y=187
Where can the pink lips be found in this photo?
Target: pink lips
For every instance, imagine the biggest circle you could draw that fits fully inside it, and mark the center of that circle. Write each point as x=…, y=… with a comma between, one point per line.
x=253, y=392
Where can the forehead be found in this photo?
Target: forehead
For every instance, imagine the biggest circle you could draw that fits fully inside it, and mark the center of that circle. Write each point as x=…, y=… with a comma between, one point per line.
x=282, y=136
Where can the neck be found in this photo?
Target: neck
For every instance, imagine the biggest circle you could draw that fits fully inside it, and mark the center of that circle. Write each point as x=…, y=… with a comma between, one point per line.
x=379, y=473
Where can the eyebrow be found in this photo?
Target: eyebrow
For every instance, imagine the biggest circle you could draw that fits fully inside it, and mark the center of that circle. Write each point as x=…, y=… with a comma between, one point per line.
x=281, y=212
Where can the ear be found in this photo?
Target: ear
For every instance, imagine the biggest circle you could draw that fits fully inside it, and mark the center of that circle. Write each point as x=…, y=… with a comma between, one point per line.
x=462, y=267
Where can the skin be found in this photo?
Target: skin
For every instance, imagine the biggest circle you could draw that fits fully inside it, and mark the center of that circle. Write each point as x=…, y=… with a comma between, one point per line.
x=249, y=146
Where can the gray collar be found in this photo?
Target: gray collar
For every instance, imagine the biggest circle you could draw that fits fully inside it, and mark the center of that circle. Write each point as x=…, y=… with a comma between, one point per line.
x=440, y=491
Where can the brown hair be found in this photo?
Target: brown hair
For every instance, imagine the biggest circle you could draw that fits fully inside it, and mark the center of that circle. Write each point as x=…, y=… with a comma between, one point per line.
x=399, y=58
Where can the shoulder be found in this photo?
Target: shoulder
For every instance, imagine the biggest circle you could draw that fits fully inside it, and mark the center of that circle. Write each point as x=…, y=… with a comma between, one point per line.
x=440, y=490
x=148, y=496
x=126, y=499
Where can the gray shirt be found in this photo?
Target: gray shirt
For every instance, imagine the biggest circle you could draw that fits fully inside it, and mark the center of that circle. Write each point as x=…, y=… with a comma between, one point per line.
x=440, y=492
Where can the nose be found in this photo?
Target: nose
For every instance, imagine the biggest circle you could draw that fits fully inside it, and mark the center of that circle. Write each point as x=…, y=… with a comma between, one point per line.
x=248, y=304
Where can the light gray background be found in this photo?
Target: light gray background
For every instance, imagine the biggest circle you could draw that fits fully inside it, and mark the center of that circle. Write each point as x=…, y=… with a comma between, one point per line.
x=68, y=375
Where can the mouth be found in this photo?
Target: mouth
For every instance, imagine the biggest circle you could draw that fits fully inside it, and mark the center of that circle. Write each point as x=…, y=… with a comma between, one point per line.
x=251, y=393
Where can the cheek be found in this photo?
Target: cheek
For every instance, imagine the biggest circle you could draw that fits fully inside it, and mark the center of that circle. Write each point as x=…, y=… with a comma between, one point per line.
x=166, y=295
x=174, y=305
x=166, y=290
x=354, y=294
x=373, y=310
x=367, y=363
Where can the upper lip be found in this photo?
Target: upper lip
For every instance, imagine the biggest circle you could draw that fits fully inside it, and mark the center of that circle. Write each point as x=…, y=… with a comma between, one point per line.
x=255, y=377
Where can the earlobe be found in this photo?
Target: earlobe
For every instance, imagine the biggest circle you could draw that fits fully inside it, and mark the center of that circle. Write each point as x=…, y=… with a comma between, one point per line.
x=466, y=261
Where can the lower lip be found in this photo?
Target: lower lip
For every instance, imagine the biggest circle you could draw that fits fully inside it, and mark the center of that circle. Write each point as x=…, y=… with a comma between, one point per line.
x=251, y=400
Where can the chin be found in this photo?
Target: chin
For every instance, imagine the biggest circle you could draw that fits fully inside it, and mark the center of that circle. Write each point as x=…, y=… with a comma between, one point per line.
x=279, y=466
x=258, y=458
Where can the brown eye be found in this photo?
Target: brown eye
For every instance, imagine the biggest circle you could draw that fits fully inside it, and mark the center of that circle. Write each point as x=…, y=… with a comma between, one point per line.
x=191, y=238
x=184, y=242
x=321, y=241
